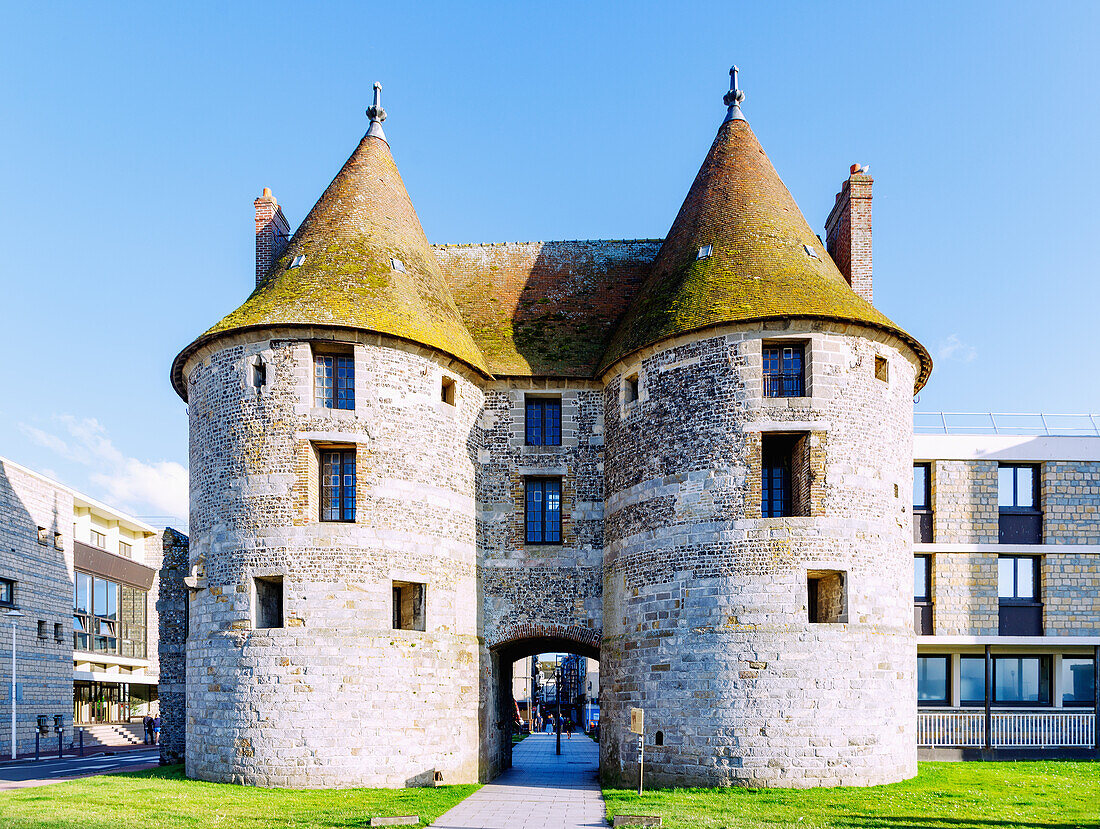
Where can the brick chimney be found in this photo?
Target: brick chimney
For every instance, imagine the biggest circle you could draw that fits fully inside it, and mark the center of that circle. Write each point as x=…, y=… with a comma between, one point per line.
x=272, y=233
x=848, y=231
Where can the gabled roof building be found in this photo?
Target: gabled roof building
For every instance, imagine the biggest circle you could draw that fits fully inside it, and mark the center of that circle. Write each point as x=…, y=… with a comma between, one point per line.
x=690, y=458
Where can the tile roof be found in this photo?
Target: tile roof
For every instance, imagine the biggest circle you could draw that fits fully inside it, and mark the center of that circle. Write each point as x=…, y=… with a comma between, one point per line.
x=545, y=309
x=759, y=266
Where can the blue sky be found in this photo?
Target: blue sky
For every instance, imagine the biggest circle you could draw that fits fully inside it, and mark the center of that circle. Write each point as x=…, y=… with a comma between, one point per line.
x=137, y=135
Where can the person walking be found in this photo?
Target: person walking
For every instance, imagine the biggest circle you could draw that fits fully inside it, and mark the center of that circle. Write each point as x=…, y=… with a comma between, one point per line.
x=156, y=730
x=568, y=728
x=147, y=724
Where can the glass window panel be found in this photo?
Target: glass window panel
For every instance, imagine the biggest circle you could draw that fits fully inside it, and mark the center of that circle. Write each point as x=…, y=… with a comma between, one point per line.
x=1006, y=485
x=112, y=600
x=920, y=578
x=534, y=423
x=99, y=597
x=932, y=678
x=1025, y=578
x=1006, y=570
x=553, y=422
x=1025, y=492
x=83, y=593
x=920, y=486
x=1078, y=681
x=1019, y=679
x=972, y=678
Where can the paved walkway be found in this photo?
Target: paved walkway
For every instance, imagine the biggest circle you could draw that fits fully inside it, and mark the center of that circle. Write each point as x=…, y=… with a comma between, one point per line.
x=541, y=791
x=22, y=774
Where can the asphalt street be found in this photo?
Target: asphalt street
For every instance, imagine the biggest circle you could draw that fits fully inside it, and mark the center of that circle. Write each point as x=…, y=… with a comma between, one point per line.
x=24, y=773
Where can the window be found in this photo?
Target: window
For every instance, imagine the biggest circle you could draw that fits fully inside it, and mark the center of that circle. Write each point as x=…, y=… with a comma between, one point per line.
x=783, y=375
x=882, y=369
x=543, y=421
x=7, y=593
x=447, y=391
x=704, y=252
x=1020, y=612
x=922, y=503
x=922, y=595
x=334, y=381
x=125, y=549
x=1017, y=680
x=785, y=475
x=43, y=535
x=259, y=373
x=98, y=539
x=1078, y=680
x=1021, y=521
x=408, y=605
x=631, y=390
x=827, y=596
x=1021, y=680
x=338, y=485
x=659, y=738
x=932, y=680
x=58, y=633
x=268, y=596
x=108, y=617
x=43, y=629
x=543, y=518
x=398, y=265
x=58, y=541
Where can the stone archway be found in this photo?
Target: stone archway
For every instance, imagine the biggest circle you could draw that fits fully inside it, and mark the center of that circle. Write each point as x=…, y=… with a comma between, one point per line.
x=518, y=642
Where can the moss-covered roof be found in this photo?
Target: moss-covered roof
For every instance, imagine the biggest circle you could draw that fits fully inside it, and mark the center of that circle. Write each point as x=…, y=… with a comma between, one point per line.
x=545, y=309
x=362, y=222
x=758, y=268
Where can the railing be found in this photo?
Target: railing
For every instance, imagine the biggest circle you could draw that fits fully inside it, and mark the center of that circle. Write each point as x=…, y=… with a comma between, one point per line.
x=784, y=384
x=1009, y=729
x=1005, y=423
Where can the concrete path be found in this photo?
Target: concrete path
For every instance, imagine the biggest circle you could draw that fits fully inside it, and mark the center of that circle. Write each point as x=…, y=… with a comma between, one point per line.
x=541, y=791
x=22, y=774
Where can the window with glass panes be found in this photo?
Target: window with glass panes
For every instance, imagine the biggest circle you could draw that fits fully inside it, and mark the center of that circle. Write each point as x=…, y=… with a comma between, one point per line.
x=922, y=503
x=543, y=421
x=783, y=374
x=334, y=381
x=933, y=683
x=109, y=617
x=7, y=592
x=1078, y=680
x=543, y=511
x=1017, y=680
x=337, y=484
x=1018, y=579
x=1020, y=519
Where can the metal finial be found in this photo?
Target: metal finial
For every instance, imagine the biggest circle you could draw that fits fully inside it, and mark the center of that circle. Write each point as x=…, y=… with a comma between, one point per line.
x=376, y=114
x=733, y=98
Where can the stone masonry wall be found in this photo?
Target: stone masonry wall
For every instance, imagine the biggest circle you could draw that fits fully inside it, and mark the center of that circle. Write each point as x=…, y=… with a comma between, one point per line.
x=540, y=588
x=42, y=573
x=1071, y=593
x=172, y=604
x=705, y=602
x=1071, y=502
x=336, y=697
x=964, y=593
x=964, y=497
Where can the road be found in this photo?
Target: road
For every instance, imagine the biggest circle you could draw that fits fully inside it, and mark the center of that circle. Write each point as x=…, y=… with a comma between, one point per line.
x=24, y=773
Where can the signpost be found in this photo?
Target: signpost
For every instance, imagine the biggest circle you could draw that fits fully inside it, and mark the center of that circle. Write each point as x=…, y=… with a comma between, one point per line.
x=637, y=726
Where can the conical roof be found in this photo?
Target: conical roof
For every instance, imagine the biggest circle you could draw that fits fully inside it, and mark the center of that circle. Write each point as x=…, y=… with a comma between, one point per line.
x=360, y=259
x=759, y=266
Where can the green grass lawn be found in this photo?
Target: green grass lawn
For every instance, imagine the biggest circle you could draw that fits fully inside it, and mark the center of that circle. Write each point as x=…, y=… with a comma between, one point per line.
x=1044, y=795
x=164, y=799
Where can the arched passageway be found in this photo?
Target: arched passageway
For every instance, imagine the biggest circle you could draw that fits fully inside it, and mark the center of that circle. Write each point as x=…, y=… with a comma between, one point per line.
x=529, y=642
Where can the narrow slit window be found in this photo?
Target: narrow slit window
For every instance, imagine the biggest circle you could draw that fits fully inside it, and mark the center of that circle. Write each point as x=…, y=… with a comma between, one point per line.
x=259, y=373
x=447, y=391
x=631, y=390
x=882, y=369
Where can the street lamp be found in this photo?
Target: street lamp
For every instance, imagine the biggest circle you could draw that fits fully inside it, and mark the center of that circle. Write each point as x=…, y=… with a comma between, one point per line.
x=13, y=614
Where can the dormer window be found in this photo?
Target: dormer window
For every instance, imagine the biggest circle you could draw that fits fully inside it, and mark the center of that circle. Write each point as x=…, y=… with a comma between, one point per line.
x=397, y=265
x=704, y=252
x=810, y=252
x=783, y=369
x=297, y=261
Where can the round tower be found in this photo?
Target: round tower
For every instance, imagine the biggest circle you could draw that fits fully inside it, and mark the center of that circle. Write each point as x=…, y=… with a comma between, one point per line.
x=332, y=616
x=757, y=581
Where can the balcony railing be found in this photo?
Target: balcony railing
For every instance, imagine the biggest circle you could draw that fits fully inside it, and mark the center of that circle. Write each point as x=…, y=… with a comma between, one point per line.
x=784, y=384
x=1005, y=423
x=1008, y=729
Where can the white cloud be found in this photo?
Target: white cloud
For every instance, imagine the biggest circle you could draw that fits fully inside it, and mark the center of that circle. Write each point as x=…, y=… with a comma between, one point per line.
x=128, y=483
x=953, y=348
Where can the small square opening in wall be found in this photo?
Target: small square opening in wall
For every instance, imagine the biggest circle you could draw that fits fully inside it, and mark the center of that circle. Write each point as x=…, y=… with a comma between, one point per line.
x=882, y=369
x=827, y=596
x=58, y=541
x=447, y=391
x=408, y=605
x=631, y=390
x=43, y=535
x=43, y=629
x=59, y=633
x=268, y=601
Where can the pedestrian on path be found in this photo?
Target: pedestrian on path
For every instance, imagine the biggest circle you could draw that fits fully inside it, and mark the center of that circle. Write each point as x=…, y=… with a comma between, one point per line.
x=156, y=730
x=147, y=724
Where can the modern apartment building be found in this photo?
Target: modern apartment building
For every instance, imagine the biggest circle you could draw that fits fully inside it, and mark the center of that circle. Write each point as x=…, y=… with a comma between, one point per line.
x=1006, y=525
x=78, y=586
